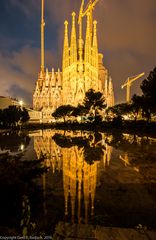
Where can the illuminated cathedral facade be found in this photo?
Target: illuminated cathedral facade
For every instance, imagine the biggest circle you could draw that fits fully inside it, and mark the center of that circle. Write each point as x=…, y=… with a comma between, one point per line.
x=82, y=66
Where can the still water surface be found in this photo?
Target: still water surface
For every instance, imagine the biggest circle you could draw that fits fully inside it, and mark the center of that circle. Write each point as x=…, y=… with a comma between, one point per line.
x=92, y=179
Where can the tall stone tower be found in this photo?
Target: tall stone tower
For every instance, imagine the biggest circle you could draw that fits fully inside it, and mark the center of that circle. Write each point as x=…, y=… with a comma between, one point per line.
x=82, y=66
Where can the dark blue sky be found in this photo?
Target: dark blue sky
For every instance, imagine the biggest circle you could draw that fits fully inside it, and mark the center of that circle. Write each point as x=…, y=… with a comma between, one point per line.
x=126, y=35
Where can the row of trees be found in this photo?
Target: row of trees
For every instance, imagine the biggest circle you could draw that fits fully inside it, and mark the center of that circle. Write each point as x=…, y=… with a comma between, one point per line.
x=13, y=116
x=140, y=106
x=94, y=103
x=91, y=107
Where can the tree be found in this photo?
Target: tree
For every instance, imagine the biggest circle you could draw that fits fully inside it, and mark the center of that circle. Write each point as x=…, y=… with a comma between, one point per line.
x=94, y=102
x=13, y=116
x=24, y=115
x=63, y=111
x=80, y=110
x=1, y=117
x=148, y=87
x=119, y=109
x=146, y=102
x=137, y=105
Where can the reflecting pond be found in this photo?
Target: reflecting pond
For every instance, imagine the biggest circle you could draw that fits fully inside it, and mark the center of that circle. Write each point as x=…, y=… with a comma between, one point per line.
x=91, y=179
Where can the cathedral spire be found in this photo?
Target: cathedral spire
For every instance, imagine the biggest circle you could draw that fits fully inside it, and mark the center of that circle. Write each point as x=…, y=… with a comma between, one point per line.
x=111, y=93
x=80, y=41
x=95, y=46
x=106, y=86
x=73, y=45
x=66, y=46
x=95, y=35
x=91, y=16
x=88, y=40
x=42, y=36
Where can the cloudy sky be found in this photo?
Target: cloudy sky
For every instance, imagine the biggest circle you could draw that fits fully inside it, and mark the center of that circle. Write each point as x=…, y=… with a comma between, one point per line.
x=126, y=35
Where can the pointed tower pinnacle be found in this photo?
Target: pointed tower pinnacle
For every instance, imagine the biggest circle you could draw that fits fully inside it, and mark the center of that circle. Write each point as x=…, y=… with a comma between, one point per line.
x=88, y=41
x=91, y=16
x=80, y=40
x=42, y=36
x=110, y=86
x=111, y=93
x=95, y=46
x=52, y=77
x=106, y=86
x=73, y=45
x=66, y=47
x=95, y=35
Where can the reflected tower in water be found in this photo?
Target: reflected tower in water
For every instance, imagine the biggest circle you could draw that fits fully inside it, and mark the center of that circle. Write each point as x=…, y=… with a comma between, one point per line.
x=79, y=180
x=80, y=177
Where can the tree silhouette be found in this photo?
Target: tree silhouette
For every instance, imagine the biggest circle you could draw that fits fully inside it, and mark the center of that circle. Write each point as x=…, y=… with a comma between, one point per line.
x=24, y=115
x=137, y=105
x=63, y=111
x=147, y=102
x=94, y=102
x=120, y=109
x=13, y=116
x=148, y=87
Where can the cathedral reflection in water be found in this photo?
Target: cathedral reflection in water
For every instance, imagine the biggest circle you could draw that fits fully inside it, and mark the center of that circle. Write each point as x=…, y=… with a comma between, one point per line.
x=80, y=177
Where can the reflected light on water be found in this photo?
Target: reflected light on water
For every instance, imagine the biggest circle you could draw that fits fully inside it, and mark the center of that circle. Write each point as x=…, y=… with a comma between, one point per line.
x=91, y=178
x=79, y=176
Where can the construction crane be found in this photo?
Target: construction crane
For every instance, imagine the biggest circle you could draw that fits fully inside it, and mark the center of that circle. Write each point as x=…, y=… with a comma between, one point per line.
x=89, y=9
x=81, y=12
x=128, y=84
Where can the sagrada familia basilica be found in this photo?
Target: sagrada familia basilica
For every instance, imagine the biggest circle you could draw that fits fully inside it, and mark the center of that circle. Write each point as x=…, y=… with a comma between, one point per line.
x=82, y=66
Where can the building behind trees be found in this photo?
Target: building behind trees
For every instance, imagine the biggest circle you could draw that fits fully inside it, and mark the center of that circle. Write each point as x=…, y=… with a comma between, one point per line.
x=82, y=68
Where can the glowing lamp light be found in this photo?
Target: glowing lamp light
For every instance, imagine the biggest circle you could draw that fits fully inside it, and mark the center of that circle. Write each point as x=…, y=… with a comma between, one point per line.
x=22, y=147
x=79, y=119
x=21, y=103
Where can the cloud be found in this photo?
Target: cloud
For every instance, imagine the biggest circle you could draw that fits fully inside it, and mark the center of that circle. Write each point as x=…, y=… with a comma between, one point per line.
x=25, y=6
x=126, y=33
x=18, y=71
x=15, y=91
x=128, y=25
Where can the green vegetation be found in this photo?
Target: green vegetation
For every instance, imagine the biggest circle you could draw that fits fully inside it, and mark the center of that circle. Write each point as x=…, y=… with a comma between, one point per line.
x=91, y=107
x=94, y=102
x=94, y=114
x=140, y=106
x=13, y=116
x=63, y=111
x=148, y=87
x=93, y=111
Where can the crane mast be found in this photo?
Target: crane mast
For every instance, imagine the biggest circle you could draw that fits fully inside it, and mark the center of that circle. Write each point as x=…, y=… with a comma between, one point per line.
x=128, y=84
x=89, y=9
x=42, y=35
